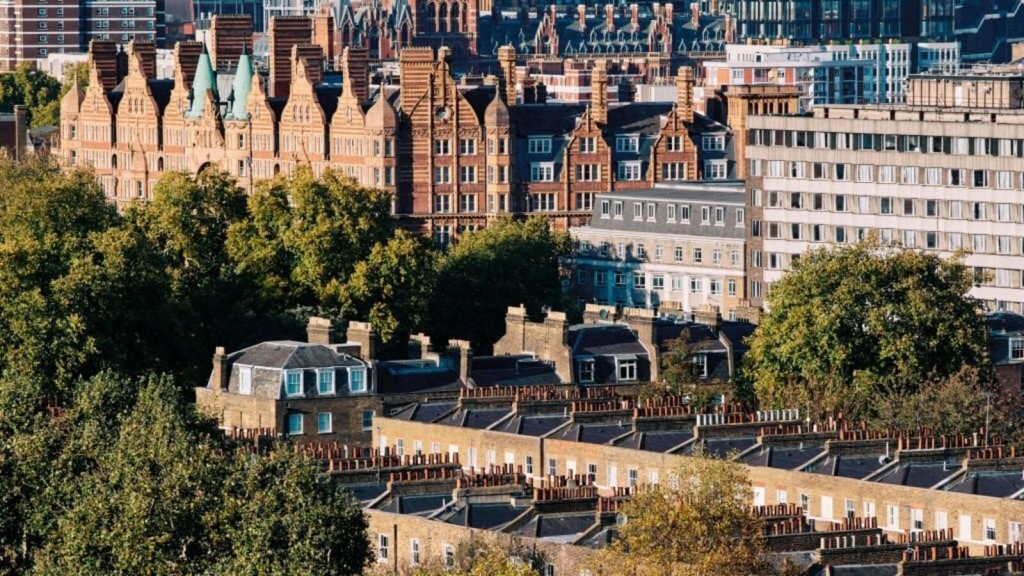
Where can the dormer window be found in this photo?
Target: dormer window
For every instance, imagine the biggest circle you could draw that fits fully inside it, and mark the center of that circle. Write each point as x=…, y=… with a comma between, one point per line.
x=627, y=144
x=702, y=361
x=245, y=380
x=626, y=370
x=1017, y=348
x=539, y=145
x=586, y=371
x=293, y=382
x=357, y=380
x=325, y=381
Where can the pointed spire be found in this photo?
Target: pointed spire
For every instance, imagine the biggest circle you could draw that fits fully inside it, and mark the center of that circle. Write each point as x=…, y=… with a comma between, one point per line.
x=204, y=82
x=240, y=88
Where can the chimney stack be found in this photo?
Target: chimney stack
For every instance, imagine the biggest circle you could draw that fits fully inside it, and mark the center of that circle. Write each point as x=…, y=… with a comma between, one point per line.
x=669, y=9
x=684, y=93
x=221, y=371
x=507, y=74
x=599, y=92
x=465, y=352
x=609, y=17
x=708, y=315
x=581, y=11
x=355, y=69
x=634, y=15
x=695, y=14
x=363, y=334
x=320, y=331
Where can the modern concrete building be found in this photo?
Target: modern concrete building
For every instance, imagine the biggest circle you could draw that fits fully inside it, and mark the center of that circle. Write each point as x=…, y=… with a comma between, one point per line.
x=941, y=173
x=835, y=73
x=678, y=246
x=31, y=31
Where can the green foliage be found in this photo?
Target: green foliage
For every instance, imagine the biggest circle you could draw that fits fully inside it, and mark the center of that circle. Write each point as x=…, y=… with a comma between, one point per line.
x=475, y=558
x=37, y=90
x=848, y=323
x=391, y=288
x=306, y=235
x=701, y=524
x=506, y=264
x=129, y=479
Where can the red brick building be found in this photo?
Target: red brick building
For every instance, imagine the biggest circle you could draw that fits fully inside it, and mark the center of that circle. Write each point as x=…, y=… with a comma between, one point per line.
x=455, y=152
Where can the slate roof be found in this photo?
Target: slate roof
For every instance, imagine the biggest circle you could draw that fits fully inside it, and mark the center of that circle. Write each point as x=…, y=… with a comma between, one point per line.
x=857, y=467
x=513, y=370
x=920, y=475
x=784, y=458
x=557, y=527
x=425, y=412
x=290, y=355
x=533, y=425
x=407, y=376
x=601, y=433
x=998, y=484
x=477, y=418
x=604, y=339
x=487, y=516
x=1001, y=327
x=657, y=441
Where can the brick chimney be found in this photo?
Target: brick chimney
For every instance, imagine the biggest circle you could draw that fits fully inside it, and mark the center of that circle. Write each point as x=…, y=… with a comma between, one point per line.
x=363, y=334
x=708, y=315
x=355, y=69
x=581, y=12
x=730, y=28
x=20, y=131
x=669, y=9
x=507, y=74
x=221, y=371
x=320, y=331
x=684, y=93
x=599, y=92
x=695, y=13
x=641, y=321
x=634, y=15
x=465, y=354
x=598, y=313
x=609, y=17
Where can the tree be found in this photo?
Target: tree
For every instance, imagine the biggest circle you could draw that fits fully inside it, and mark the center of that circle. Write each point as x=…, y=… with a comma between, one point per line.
x=281, y=516
x=130, y=479
x=961, y=403
x=847, y=323
x=476, y=558
x=682, y=371
x=391, y=288
x=35, y=89
x=700, y=524
x=506, y=264
x=306, y=235
x=48, y=219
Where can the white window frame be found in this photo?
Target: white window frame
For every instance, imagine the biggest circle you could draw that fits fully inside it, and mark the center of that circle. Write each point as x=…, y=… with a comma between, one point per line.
x=330, y=423
x=357, y=370
x=245, y=380
x=625, y=370
x=363, y=420
x=287, y=375
x=627, y=143
x=320, y=373
x=382, y=548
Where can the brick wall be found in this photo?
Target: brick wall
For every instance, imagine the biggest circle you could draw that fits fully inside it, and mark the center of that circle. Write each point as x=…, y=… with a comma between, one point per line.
x=649, y=465
x=433, y=536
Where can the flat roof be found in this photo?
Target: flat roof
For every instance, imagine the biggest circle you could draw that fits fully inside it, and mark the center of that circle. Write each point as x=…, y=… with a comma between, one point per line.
x=717, y=191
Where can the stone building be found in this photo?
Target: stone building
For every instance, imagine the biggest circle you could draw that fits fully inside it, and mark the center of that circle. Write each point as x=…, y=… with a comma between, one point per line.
x=941, y=173
x=454, y=152
x=678, y=246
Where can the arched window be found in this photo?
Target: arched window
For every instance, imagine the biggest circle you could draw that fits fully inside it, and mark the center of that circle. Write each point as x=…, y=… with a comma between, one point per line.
x=113, y=161
x=159, y=164
x=277, y=169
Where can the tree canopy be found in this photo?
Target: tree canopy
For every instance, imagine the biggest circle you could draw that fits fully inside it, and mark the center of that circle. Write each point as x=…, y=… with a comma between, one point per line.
x=700, y=523
x=39, y=91
x=506, y=264
x=847, y=323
